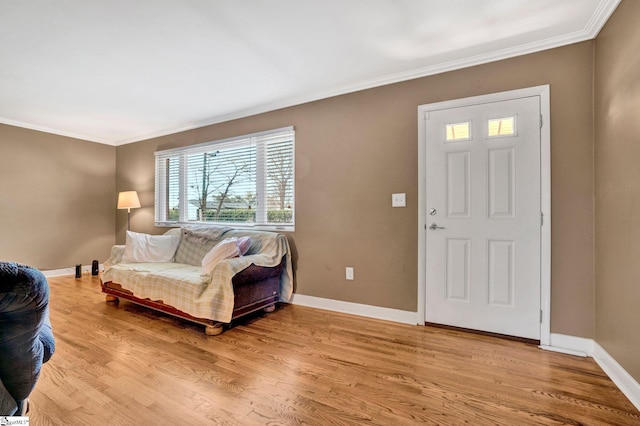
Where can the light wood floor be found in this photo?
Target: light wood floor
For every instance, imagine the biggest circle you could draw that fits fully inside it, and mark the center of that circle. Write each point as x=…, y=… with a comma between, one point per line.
x=126, y=365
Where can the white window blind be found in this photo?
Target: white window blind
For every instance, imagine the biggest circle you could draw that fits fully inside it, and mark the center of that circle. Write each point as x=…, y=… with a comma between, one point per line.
x=243, y=181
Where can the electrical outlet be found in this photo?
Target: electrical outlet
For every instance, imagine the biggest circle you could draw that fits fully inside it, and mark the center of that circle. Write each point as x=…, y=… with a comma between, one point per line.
x=398, y=200
x=349, y=273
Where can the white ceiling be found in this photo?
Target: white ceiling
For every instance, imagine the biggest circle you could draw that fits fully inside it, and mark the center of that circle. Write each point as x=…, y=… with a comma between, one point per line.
x=119, y=71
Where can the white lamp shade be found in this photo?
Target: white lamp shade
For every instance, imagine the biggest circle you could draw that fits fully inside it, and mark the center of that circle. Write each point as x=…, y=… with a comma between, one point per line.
x=128, y=200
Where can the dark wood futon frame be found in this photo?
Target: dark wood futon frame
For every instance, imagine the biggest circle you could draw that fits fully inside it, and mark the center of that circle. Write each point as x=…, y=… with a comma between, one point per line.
x=255, y=288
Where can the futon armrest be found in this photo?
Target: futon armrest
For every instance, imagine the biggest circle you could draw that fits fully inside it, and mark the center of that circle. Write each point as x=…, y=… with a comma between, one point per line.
x=116, y=256
x=254, y=273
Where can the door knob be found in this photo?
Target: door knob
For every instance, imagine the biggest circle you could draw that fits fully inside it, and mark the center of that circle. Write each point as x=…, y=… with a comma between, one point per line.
x=433, y=227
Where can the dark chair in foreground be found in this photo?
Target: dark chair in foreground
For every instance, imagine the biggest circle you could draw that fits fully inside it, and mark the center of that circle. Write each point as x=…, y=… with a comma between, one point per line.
x=26, y=340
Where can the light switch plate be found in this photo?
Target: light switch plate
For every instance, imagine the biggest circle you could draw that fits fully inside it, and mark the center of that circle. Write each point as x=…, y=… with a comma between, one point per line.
x=398, y=200
x=349, y=273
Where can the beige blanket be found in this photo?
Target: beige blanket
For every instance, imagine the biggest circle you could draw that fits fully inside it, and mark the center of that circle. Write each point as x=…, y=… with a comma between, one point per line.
x=183, y=286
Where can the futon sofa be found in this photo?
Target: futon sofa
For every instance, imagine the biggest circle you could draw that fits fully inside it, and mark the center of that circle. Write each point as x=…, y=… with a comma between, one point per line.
x=212, y=276
x=26, y=339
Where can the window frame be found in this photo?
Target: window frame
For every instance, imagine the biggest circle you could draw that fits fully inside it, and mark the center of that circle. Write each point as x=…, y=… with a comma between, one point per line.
x=260, y=140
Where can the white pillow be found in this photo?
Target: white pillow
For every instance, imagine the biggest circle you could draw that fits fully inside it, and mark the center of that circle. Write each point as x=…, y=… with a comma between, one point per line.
x=225, y=249
x=149, y=248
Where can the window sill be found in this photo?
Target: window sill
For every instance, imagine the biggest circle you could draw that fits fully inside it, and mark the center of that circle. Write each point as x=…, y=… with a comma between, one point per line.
x=273, y=228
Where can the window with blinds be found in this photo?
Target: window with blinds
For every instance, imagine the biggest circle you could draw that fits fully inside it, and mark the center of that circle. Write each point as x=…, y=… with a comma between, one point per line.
x=243, y=181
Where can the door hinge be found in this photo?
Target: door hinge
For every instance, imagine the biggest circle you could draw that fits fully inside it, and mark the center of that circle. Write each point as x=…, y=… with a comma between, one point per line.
x=541, y=121
x=427, y=116
x=540, y=316
x=541, y=218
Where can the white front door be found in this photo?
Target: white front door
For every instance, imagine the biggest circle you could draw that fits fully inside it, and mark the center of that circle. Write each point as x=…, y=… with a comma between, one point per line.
x=483, y=207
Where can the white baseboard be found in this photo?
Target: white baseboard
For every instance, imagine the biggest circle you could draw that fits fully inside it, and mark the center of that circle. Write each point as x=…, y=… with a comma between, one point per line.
x=627, y=384
x=388, y=314
x=68, y=271
x=571, y=345
x=587, y=347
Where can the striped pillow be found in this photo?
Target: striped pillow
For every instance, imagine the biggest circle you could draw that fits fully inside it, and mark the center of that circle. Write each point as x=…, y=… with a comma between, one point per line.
x=193, y=247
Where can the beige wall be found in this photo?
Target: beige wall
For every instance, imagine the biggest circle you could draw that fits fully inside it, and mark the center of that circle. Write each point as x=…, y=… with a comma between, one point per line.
x=355, y=150
x=57, y=199
x=617, y=186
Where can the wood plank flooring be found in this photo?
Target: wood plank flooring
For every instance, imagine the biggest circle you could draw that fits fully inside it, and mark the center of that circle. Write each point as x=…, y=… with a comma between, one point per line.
x=126, y=365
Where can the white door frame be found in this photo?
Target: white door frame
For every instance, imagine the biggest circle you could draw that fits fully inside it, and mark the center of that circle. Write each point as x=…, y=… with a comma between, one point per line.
x=545, y=195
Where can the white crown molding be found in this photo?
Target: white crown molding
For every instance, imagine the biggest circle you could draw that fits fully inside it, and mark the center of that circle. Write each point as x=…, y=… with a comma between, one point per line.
x=600, y=17
x=38, y=128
